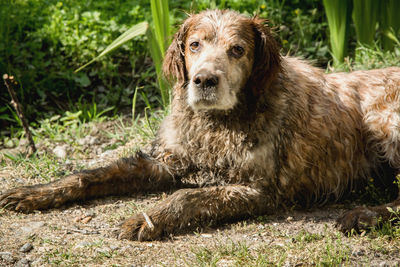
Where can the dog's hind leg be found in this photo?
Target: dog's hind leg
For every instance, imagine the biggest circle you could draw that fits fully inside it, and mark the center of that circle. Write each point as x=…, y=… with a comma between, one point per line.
x=128, y=175
x=366, y=217
x=382, y=122
x=188, y=208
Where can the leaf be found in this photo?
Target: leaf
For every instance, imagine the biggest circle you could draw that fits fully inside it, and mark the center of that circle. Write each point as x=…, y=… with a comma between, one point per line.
x=338, y=15
x=136, y=30
x=365, y=17
x=82, y=79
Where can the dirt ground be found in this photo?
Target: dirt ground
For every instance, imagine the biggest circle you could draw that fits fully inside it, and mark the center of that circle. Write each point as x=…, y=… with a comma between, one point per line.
x=84, y=234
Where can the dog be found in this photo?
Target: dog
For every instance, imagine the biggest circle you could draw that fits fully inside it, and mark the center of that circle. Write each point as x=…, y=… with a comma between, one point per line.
x=256, y=131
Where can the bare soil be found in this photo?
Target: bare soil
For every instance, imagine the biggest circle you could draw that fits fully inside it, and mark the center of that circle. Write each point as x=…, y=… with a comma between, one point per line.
x=84, y=234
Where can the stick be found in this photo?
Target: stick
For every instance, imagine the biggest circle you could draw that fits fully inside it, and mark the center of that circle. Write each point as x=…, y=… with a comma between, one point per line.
x=9, y=81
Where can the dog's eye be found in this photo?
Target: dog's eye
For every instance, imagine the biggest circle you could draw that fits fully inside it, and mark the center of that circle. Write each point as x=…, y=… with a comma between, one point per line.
x=194, y=46
x=237, y=51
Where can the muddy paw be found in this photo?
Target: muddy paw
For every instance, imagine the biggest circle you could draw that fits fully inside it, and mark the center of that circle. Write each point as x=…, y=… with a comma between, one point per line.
x=357, y=219
x=23, y=199
x=141, y=227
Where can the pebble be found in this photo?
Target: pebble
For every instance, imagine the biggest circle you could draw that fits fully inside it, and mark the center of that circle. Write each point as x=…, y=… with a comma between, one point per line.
x=7, y=257
x=383, y=264
x=23, y=263
x=358, y=253
x=9, y=143
x=112, y=247
x=32, y=226
x=23, y=142
x=86, y=219
x=26, y=248
x=88, y=140
x=103, y=250
x=206, y=235
x=90, y=213
x=82, y=244
x=81, y=141
x=83, y=219
x=60, y=151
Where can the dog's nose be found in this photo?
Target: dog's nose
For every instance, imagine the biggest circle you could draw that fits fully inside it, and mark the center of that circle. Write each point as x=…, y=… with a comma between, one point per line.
x=205, y=80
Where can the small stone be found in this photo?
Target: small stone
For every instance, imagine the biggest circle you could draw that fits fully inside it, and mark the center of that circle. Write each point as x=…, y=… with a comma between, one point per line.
x=60, y=151
x=78, y=219
x=358, y=253
x=23, y=142
x=32, y=226
x=81, y=141
x=103, y=250
x=383, y=264
x=23, y=263
x=7, y=257
x=112, y=247
x=206, y=235
x=8, y=143
x=93, y=140
x=26, y=248
x=90, y=213
x=86, y=219
x=82, y=244
x=289, y=219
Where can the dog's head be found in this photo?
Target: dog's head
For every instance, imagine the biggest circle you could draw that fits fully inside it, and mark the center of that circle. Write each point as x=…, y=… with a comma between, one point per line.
x=216, y=54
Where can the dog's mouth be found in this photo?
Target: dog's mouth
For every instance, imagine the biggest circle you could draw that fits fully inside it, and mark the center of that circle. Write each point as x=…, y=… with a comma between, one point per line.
x=205, y=100
x=204, y=103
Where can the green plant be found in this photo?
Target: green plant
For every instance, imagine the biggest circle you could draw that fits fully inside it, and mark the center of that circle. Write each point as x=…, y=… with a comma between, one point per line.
x=365, y=15
x=389, y=23
x=338, y=15
x=158, y=41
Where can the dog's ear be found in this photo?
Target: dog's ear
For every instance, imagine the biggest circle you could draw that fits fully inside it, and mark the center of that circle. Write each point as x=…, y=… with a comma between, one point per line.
x=267, y=58
x=174, y=61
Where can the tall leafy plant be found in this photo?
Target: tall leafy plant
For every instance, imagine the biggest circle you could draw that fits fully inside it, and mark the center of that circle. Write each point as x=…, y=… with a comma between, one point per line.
x=157, y=34
x=338, y=15
x=389, y=22
x=365, y=15
x=158, y=37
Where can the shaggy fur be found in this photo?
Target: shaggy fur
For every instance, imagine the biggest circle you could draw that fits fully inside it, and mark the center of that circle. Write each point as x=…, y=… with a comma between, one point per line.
x=255, y=130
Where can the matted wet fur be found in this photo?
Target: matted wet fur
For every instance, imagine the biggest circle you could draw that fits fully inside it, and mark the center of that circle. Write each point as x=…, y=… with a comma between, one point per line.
x=256, y=130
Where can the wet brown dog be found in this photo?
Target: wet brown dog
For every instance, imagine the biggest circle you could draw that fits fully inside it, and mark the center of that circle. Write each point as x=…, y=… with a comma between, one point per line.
x=256, y=131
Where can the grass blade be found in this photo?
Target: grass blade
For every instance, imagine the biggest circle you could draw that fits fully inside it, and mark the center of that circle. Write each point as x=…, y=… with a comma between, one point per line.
x=365, y=14
x=158, y=41
x=338, y=14
x=136, y=30
x=389, y=22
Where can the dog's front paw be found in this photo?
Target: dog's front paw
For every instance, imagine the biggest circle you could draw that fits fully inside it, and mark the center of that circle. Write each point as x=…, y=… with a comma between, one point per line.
x=19, y=199
x=357, y=219
x=141, y=227
x=26, y=199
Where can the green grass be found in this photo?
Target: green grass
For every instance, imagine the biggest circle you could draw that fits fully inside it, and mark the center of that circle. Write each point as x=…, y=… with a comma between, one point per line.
x=324, y=250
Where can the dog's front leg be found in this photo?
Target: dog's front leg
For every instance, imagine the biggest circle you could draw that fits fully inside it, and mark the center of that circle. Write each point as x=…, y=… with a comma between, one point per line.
x=188, y=208
x=129, y=175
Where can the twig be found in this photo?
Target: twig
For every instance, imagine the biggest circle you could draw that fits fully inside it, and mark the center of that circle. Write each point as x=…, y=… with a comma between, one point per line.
x=83, y=231
x=149, y=222
x=9, y=82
